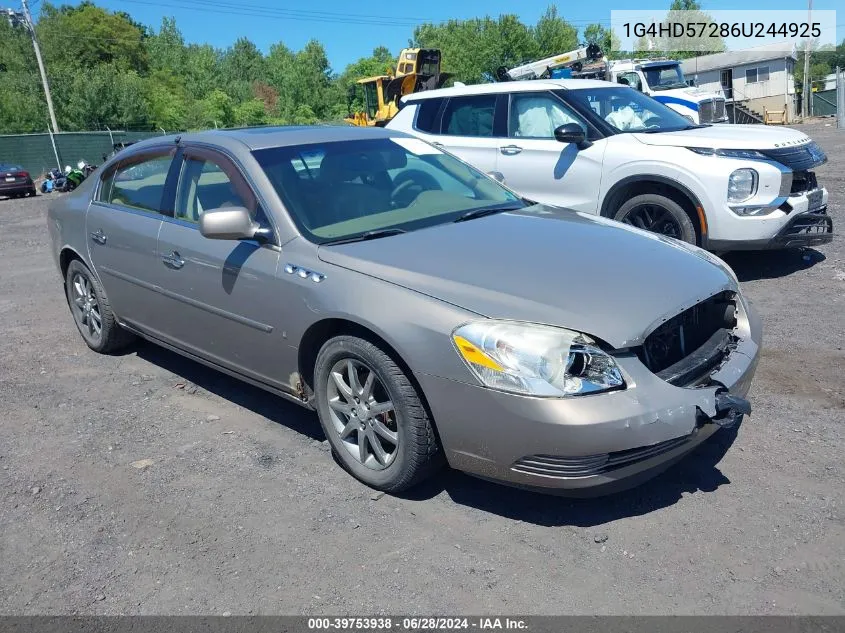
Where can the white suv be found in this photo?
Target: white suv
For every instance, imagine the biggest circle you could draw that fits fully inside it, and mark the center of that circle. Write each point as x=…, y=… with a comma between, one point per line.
x=607, y=149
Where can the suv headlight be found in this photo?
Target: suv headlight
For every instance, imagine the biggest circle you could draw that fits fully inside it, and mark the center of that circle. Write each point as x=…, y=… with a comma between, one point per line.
x=537, y=360
x=742, y=185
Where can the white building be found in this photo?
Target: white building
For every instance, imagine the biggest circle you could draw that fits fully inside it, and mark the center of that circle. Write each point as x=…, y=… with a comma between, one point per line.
x=758, y=78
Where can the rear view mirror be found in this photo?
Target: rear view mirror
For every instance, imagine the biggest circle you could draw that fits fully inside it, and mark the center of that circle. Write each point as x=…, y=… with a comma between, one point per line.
x=228, y=223
x=572, y=133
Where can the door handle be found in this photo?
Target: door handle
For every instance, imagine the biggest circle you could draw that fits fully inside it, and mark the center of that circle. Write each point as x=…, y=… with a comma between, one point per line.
x=174, y=260
x=436, y=144
x=510, y=150
x=98, y=236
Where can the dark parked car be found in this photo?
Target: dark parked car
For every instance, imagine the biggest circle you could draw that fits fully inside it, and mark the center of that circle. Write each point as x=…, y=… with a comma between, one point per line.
x=15, y=181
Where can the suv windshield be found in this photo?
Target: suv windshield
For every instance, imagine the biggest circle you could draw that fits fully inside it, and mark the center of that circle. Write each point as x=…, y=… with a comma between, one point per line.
x=627, y=110
x=664, y=77
x=345, y=190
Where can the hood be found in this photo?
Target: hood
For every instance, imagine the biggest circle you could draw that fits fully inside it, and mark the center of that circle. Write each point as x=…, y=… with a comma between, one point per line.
x=759, y=137
x=548, y=266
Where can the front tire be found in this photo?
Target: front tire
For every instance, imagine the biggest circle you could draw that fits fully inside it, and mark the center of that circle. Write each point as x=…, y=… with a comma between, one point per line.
x=658, y=214
x=92, y=312
x=373, y=416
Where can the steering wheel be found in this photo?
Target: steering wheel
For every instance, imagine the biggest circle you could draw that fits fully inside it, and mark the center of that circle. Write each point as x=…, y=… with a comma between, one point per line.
x=410, y=184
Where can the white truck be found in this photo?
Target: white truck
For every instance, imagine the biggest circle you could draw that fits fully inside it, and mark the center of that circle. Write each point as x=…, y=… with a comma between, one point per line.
x=662, y=79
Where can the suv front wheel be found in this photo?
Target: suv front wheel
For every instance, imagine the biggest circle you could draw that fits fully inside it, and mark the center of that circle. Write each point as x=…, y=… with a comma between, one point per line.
x=658, y=214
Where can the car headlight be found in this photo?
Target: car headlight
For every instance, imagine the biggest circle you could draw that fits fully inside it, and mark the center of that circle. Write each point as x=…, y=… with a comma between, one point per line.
x=742, y=185
x=537, y=360
x=747, y=154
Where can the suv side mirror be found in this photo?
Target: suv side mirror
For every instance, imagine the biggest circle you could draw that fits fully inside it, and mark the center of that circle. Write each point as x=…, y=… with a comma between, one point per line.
x=497, y=176
x=572, y=133
x=228, y=223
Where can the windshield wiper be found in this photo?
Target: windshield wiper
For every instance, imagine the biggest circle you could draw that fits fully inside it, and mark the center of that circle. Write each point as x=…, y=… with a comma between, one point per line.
x=480, y=212
x=367, y=235
x=692, y=126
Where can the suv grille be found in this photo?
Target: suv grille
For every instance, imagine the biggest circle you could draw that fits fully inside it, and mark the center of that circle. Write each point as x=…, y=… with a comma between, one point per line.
x=797, y=158
x=688, y=346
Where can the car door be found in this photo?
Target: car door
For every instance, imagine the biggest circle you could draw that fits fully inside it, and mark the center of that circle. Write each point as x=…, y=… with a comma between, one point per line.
x=468, y=129
x=223, y=296
x=541, y=168
x=122, y=226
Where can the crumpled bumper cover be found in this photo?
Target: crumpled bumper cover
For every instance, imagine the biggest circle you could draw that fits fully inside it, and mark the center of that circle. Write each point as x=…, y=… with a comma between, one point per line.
x=593, y=444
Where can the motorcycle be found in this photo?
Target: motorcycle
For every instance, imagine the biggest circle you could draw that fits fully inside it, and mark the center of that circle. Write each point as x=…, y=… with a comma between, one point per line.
x=73, y=177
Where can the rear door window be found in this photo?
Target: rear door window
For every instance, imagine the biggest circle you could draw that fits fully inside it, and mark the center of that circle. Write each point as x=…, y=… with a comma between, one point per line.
x=138, y=182
x=470, y=116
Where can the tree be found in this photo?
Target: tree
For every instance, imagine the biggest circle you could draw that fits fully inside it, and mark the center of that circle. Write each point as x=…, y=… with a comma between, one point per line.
x=554, y=34
x=605, y=38
x=250, y=113
x=166, y=49
x=86, y=35
x=167, y=101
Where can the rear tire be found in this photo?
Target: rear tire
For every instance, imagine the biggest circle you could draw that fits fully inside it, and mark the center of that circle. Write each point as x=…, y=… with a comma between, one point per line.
x=658, y=214
x=92, y=312
x=373, y=416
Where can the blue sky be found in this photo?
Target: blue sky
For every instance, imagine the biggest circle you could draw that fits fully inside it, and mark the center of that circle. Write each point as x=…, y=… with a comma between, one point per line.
x=350, y=30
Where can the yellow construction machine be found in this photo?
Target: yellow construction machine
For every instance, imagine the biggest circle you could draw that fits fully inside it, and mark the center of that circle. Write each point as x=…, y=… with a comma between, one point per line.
x=417, y=69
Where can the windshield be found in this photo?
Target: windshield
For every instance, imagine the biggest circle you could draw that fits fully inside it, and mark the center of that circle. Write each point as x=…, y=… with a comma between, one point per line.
x=628, y=110
x=664, y=77
x=10, y=167
x=340, y=190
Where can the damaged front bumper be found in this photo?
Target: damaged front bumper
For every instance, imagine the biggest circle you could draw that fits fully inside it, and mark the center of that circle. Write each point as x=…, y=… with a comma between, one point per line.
x=595, y=444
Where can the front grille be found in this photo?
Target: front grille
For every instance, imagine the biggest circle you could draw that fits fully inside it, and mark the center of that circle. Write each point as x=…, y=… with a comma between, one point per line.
x=720, y=110
x=705, y=111
x=797, y=158
x=572, y=467
x=803, y=181
x=692, y=342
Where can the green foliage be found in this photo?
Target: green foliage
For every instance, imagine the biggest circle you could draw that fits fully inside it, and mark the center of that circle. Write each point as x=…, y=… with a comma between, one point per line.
x=107, y=70
x=89, y=35
x=250, y=113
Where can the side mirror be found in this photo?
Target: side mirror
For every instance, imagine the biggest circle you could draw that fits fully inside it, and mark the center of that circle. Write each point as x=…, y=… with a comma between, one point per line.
x=572, y=133
x=229, y=223
x=497, y=176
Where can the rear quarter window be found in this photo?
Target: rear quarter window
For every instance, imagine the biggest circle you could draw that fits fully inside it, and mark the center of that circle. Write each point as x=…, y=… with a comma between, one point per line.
x=427, y=120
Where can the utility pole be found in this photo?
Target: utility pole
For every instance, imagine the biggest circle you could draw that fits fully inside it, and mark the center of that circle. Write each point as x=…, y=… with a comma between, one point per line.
x=31, y=27
x=807, y=89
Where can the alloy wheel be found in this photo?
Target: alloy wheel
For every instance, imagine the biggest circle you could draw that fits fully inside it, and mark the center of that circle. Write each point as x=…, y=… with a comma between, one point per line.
x=654, y=218
x=362, y=414
x=86, y=308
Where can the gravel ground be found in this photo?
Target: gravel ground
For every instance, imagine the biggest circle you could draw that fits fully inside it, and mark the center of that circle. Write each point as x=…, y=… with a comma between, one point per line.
x=145, y=483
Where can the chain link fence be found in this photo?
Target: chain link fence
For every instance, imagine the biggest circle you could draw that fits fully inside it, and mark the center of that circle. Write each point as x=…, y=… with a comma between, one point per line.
x=35, y=153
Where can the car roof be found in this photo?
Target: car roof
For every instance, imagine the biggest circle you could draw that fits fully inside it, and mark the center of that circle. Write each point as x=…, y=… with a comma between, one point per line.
x=254, y=138
x=510, y=86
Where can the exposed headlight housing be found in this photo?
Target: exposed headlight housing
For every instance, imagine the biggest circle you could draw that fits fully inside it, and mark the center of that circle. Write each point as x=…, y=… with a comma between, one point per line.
x=535, y=360
x=742, y=184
